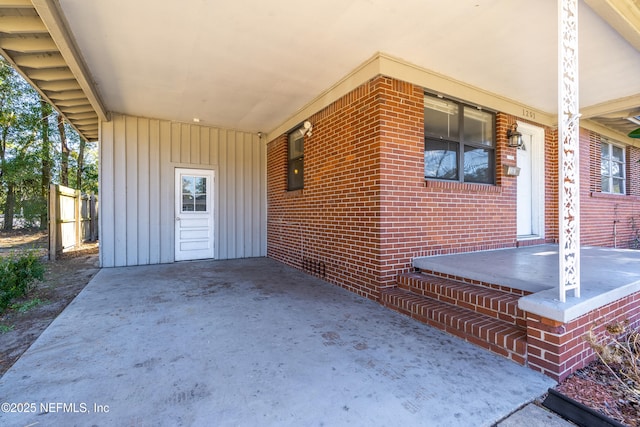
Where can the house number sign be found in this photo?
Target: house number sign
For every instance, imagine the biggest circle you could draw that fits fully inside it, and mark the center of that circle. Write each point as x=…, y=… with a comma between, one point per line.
x=528, y=114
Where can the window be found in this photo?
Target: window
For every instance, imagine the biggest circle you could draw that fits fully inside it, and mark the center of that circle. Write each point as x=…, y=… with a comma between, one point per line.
x=612, y=168
x=459, y=142
x=295, y=173
x=194, y=193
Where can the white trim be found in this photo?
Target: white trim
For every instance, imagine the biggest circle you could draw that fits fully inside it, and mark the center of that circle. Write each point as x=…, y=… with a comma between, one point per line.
x=546, y=303
x=624, y=167
x=538, y=176
x=568, y=149
x=387, y=65
x=209, y=213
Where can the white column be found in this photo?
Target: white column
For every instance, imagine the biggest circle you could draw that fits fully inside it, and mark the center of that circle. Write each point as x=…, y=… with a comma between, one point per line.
x=568, y=141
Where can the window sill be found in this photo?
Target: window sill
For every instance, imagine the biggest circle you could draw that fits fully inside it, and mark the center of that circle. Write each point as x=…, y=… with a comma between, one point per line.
x=294, y=193
x=612, y=196
x=463, y=186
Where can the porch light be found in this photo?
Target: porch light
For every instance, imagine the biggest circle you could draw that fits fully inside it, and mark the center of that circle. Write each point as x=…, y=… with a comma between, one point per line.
x=514, y=137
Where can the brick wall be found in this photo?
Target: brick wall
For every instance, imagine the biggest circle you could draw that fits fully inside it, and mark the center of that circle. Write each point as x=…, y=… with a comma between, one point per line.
x=366, y=210
x=558, y=349
x=607, y=219
x=333, y=223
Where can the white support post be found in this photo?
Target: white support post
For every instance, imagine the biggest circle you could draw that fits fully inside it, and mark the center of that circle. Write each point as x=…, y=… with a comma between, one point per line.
x=569, y=147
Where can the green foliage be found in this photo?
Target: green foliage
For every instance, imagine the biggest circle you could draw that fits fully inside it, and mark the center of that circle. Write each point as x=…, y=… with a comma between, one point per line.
x=89, y=169
x=18, y=273
x=30, y=151
x=90, y=174
x=27, y=305
x=4, y=328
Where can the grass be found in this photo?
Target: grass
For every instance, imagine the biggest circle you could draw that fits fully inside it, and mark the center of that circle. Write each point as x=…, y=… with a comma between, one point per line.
x=23, y=307
x=4, y=329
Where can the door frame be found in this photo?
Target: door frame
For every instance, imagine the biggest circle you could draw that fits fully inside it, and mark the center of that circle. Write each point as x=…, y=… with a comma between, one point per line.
x=536, y=147
x=211, y=207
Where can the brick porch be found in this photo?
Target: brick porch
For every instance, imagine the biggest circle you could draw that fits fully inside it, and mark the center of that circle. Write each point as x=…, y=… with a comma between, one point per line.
x=506, y=301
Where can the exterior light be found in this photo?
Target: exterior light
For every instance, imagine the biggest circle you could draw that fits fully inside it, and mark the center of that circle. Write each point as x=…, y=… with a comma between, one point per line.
x=514, y=137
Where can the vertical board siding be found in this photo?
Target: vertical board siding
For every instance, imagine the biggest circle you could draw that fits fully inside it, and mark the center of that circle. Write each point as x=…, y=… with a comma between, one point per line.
x=120, y=192
x=154, y=191
x=107, y=213
x=131, y=172
x=144, y=192
x=166, y=194
x=138, y=159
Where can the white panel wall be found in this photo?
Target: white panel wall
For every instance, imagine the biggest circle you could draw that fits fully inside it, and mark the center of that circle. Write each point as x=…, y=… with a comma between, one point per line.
x=137, y=161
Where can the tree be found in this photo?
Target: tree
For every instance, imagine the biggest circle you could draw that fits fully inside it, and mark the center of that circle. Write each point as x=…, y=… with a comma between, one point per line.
x=64, y=149
x=80, y=163
x=18, y=109
x=46, y=111
x=29, y=158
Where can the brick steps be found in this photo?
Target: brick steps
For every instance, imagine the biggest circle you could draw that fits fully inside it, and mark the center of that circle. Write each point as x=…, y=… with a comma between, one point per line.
x=491, y=302
x=483, y=316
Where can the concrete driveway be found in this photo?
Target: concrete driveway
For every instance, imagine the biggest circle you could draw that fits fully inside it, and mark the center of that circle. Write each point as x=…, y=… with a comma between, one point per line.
x=250, y=343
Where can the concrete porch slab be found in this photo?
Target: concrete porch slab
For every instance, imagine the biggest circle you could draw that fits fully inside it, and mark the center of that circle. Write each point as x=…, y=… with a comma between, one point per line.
x=606, y=274
x=251, y=342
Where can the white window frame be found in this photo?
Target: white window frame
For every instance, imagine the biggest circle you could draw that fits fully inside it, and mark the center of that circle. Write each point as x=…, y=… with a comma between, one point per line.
x=609, y=175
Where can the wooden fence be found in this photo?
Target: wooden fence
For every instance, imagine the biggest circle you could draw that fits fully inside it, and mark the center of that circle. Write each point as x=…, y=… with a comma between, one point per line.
x=73, y=219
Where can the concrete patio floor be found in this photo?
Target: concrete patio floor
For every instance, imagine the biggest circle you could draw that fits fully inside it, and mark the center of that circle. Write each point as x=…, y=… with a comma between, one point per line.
x=535, y=268
x=606, y=275
x=251, y=343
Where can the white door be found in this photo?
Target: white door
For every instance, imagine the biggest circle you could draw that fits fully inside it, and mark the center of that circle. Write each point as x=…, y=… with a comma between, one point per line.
x=194, y=214
x=531, y=188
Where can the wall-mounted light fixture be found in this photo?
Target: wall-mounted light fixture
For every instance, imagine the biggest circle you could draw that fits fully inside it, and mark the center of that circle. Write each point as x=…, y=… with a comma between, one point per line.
x=514, y=137
x=306, y=128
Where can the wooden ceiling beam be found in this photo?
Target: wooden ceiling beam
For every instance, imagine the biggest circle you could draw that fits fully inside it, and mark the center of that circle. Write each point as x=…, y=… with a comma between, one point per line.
x=72, y=102
x=22, y=25
x=59, y=85
x=16, y=4
x=40, y=61
x=28, y=45
x=55, y=22
x=77, y=109
x=82, y=116
x=67, y=95
x=50, y=75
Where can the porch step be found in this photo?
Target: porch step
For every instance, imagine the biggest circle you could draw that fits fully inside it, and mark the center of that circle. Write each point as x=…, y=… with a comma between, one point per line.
x=481, y=299
x=434, y=301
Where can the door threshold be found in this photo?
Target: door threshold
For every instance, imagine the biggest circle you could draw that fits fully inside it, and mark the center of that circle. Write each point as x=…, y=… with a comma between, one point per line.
x=528, y=237
x=529, y=241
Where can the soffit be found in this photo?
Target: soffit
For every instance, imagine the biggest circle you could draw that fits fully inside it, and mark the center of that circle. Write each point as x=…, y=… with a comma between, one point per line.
x=252, y=65
x=50, y=66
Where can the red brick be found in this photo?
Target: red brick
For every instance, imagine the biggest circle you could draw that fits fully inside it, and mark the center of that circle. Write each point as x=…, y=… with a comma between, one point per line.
x=366, y=210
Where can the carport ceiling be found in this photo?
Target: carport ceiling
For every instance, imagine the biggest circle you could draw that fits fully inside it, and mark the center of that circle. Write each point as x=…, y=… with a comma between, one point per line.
x=250, y=65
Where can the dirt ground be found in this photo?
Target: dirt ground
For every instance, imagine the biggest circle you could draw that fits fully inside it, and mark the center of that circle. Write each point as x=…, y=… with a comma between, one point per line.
x=63, y=280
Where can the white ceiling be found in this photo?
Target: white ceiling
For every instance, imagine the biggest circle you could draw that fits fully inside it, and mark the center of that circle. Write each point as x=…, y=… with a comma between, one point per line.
x=251, y=64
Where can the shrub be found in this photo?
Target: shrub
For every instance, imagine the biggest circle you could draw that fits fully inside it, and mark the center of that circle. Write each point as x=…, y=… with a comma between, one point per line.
x=18, y=273
x=619, y=351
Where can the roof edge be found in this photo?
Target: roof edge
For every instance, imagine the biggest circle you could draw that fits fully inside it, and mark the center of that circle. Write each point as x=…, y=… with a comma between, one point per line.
x=390, y=66
x=55, y=22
